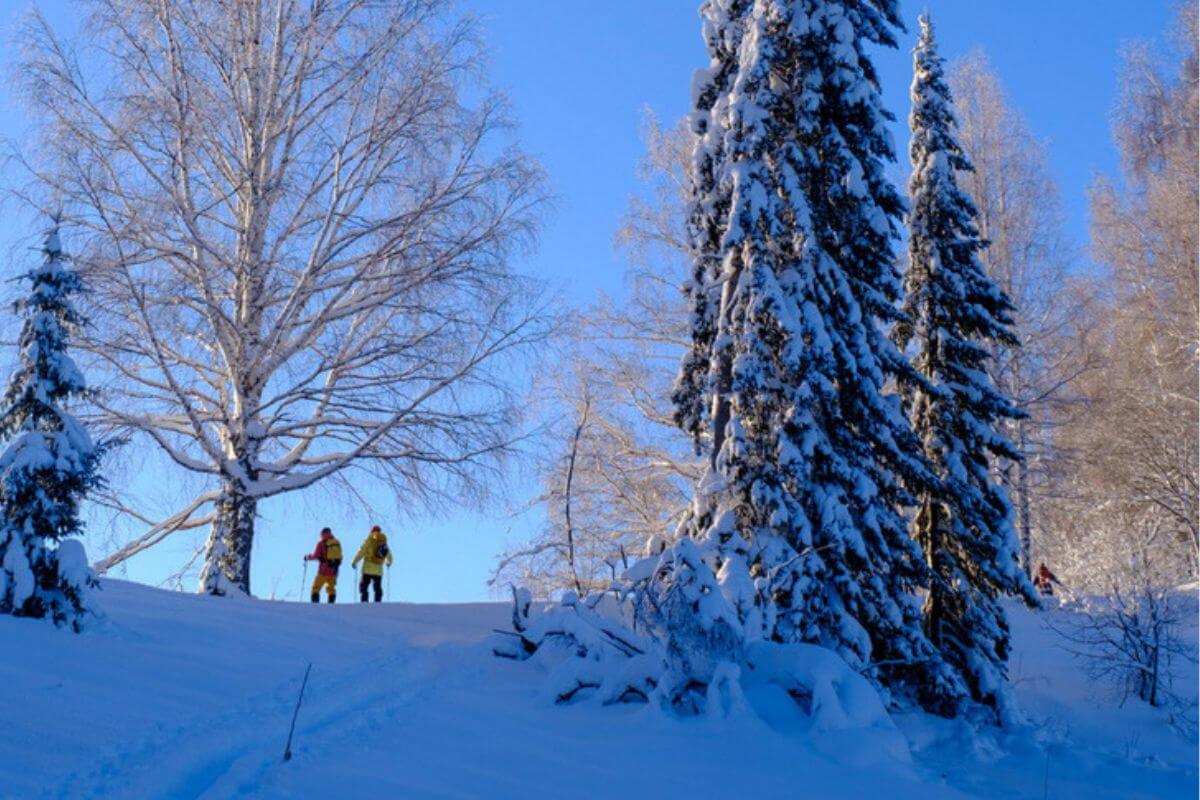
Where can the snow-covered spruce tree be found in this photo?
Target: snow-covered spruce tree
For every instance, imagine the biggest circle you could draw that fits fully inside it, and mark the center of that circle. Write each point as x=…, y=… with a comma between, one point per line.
x=794, y=537
x=50, y=462
x=953, y=314
x=809, y=457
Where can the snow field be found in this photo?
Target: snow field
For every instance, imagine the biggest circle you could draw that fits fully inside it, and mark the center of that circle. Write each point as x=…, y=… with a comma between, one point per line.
x=183, y=696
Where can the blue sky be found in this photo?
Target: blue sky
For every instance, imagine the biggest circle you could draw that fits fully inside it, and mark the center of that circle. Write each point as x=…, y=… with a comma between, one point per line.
x=580, y=76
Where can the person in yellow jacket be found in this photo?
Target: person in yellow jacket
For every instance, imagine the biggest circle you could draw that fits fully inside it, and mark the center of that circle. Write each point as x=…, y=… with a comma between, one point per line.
x=373, y=554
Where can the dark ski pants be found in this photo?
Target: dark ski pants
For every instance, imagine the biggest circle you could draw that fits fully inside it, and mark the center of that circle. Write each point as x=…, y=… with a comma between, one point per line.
x=366, y=581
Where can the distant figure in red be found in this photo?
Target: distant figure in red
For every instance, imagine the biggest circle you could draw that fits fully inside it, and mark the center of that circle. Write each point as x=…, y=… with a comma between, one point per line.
x=328, y=554
x=1044, y=581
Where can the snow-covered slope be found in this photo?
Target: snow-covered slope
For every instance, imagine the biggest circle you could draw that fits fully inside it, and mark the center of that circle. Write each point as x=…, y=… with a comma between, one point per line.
x=180, y=696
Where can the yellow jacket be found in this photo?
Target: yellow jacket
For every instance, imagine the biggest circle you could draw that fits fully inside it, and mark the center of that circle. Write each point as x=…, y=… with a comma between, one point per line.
x=372, y=564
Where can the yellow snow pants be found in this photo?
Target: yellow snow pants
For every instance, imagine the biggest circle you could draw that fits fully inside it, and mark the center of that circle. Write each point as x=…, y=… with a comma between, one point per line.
x=327, y=581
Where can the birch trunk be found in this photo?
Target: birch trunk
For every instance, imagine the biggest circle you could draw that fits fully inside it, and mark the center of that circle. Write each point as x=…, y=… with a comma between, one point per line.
x=230, y=542
x=1024, y=510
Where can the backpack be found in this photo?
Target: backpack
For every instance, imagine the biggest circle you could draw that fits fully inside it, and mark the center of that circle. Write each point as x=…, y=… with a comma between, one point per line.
x=381, y=551
x=333, y=553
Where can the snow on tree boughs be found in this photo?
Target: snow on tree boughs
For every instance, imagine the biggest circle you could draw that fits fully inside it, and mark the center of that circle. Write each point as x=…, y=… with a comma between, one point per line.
x=954, y=313
x=50, y=462
x=794, y=281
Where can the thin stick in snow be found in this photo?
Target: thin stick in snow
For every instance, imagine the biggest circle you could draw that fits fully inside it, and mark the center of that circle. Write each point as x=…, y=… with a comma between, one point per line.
x=287, y=750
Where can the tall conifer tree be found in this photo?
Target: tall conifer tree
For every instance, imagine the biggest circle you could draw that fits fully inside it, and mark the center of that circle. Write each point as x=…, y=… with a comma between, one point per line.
x=953, y=314
x=793, y=220
x=50, y=461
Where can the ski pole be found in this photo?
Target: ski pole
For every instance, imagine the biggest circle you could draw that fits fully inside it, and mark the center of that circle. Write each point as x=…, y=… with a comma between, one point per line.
x=303, y=580
x=389, y=585
x=287, y=750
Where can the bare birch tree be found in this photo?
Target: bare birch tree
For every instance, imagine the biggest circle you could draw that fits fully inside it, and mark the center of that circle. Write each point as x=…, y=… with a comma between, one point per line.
x=1139, y=443
x=301, y=215
x=1146, y=229
x=1020, y=216
x=629, y=468
x=604, y=495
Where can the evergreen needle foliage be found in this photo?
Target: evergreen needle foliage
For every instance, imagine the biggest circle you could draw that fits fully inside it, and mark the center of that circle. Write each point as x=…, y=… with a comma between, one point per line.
x=50, y=462
x=953, y=314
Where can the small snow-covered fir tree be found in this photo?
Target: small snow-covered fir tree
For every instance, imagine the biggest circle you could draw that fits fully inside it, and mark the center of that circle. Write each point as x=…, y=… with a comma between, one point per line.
x=954, y=313
x=794, y=221
x=50, y=461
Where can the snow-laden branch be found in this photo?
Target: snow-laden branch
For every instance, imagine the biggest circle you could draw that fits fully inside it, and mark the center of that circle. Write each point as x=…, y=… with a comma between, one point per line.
x=180, y=521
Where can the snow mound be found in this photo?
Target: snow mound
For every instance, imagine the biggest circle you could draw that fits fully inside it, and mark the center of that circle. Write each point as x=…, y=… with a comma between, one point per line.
x=835, y=696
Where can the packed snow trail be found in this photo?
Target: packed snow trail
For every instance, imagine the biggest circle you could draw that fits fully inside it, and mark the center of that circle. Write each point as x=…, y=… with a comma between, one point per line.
x=181, y=696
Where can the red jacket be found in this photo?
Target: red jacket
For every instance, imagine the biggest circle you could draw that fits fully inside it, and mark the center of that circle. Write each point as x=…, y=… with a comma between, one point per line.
x=319, y=555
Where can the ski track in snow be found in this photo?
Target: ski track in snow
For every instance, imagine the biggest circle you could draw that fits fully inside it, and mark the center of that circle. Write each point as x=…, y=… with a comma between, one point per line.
x=233, y=753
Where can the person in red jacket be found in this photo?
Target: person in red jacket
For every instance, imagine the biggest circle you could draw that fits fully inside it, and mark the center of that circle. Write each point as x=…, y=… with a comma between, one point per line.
x=1044, y=580
x=328, y=553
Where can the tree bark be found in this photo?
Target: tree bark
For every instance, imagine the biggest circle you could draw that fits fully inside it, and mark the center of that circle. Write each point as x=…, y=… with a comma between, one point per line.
x=583, y=421
x=230, y=540
x=927, y=534
x=1024, y=524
